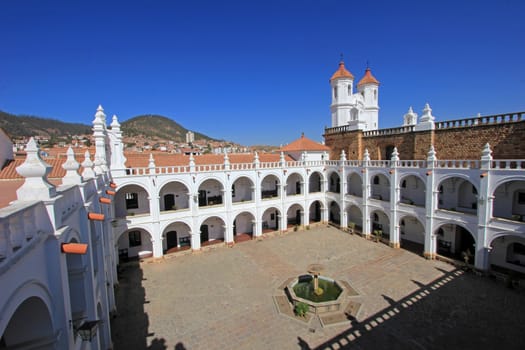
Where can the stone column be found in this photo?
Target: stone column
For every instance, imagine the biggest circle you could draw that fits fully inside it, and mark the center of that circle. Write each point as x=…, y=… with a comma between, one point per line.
x=394, y=200
x=484, y=211
x=430, y=205
x=366, y=195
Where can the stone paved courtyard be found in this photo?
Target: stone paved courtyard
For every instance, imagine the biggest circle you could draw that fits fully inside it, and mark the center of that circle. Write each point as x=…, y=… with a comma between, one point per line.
x=222, y=299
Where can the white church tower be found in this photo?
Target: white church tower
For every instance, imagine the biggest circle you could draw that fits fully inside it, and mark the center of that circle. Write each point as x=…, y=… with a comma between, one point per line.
x=342, y=82
x=368, y=87
x=359, y=111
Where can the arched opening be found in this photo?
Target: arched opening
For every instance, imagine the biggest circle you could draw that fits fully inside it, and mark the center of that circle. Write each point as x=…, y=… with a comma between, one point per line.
x=457, y=194
x=135, y=243
x=270, y=220
x=176, y=238
x=243, y=227
x=355, y=185
x=270, y=187
x=31, y=324
x=210, y=193
x=509, y=201
x=380, y=188
x=379, y=224
x=335, y=213
x=355, y=219
x=131, y=200
x=173, y=196
x=412, y=191
x=508, y=254
x=212, y=231
x=242, y=190
x=294, y=184
x=315, y=212
x=412, y=234
x=456, y=242
x=334, y=183
x=314, y=182
x=294, y=216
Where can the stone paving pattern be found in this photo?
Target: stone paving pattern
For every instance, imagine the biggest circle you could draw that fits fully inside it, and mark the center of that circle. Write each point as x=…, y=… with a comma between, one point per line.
x=223, y=299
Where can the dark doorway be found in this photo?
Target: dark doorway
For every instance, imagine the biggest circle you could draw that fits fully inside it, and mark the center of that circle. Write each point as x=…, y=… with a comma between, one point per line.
x=465, y=244
x=276, y=220
x=317, y=211
x=298, y=217
x=388, y=152
x=204, y=233
x=202, y=198
x=297, y=187
x=169, y=202
x=171, y=239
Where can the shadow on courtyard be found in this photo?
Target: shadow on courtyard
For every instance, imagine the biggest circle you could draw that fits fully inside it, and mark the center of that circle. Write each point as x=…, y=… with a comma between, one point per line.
x=129, y=329
x=455, y=311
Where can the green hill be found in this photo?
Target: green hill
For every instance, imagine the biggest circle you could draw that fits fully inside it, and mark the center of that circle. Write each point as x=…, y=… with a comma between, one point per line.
x=147, y=126
x=25, y=125
x=157, y=126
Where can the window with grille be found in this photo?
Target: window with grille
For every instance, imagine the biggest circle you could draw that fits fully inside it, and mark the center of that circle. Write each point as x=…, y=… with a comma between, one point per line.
x=132, y=200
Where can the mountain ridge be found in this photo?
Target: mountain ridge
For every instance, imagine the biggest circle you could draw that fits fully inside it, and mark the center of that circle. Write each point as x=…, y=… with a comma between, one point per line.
x=151, y=126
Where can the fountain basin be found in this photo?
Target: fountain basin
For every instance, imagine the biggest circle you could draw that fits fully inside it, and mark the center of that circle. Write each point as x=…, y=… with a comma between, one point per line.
x=333, y=297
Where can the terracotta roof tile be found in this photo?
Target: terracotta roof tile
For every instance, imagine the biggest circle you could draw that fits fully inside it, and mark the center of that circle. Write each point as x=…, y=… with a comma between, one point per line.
x=368, y=78
x=341, y=72
x=141, y=160
x=304, y=144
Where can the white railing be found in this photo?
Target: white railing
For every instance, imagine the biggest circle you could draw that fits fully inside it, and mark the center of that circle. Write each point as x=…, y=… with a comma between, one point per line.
x=20, y=224
x=508, y=164
x=499, y=164
x=412, y=164
x=457, y=164
x=481, y=120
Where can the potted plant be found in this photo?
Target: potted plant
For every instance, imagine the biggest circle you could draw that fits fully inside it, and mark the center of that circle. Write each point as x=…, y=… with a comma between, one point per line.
x=351, y=227
x=301, y=309
x=378, y=234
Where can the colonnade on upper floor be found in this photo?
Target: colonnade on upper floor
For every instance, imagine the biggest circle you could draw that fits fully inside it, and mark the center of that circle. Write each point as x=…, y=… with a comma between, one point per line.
x=429, y=203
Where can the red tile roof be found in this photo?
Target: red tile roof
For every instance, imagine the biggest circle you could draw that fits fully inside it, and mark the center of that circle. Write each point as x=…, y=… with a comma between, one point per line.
x=304, y=144
x=341, y=72
x=140, y=160
x=368, y=78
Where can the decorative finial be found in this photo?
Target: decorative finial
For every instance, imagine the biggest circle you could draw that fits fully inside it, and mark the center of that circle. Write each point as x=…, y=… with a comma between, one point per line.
x=367, y=65
x=71, y=167
x=342, y=60
x=87, y=164
x=395, y=155
x=35, y=171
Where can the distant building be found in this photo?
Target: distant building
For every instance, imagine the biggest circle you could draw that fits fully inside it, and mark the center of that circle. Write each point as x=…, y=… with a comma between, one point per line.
x=190, y=137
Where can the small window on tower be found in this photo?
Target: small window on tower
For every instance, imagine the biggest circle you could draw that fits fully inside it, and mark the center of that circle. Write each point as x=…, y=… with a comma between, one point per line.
x=349, y=89
x=375, y=95
x=335, y=92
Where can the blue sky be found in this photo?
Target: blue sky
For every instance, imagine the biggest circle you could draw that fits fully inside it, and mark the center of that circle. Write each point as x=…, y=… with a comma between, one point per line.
x=256, y=72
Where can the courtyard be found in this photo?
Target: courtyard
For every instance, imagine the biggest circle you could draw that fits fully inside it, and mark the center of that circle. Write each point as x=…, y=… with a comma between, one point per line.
x=222, y=298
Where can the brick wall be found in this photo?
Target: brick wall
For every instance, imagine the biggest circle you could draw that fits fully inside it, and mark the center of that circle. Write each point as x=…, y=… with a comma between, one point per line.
x=507, y=141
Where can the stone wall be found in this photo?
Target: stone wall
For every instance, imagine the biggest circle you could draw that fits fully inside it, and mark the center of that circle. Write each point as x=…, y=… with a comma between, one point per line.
x=506, y=141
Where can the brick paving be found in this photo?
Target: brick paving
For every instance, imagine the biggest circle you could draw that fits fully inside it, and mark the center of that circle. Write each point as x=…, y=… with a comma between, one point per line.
x=223, y=299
